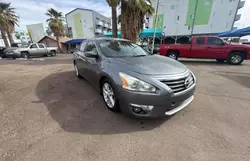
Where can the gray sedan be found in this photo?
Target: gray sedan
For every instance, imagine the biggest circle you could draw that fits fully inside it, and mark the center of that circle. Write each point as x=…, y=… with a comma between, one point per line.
x=133, y=81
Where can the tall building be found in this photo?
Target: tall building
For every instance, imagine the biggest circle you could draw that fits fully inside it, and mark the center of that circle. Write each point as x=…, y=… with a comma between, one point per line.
x=85, y=23
x=186, y=17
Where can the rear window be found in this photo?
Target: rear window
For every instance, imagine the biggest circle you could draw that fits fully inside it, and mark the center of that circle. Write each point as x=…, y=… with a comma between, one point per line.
x=200, y=41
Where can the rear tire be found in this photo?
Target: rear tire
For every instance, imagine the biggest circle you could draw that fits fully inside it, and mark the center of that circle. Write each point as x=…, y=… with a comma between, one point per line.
x=173, y=55
x=235, y=58
x=25, y=55
x=52, y=53
x=221, y=60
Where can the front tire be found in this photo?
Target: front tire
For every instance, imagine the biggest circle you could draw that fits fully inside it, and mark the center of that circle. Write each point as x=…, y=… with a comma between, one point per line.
x=77, y=71
x=173, y=55
x=235, y=58
x=25, y=55
x=109, y=96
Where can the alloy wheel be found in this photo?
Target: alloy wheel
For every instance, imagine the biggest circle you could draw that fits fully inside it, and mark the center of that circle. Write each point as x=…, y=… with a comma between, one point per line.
x=172, y=56
x=76, y=70
x=236, y=59
x=108, y=95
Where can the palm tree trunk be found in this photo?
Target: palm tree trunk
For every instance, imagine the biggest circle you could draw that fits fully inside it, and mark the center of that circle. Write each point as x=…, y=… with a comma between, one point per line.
x=4, y=37
x=129, y=22
x=114, y=21
x=10, y=37
x=58, y=44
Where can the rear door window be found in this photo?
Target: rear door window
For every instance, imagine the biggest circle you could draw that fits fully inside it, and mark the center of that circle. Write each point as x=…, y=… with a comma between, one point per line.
x=200, y=41
x=41, y=46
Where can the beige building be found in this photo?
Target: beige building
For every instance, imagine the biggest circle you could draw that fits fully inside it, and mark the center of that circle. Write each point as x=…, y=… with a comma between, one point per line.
x=50, y=41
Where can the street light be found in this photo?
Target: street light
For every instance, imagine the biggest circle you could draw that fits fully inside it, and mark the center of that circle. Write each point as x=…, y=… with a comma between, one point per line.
x=155, y=24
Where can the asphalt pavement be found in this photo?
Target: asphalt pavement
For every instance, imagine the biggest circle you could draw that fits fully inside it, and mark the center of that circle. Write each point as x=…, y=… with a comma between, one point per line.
x=47, y=114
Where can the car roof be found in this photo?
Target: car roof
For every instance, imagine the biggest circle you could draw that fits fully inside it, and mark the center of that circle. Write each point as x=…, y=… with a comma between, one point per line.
x=106, y=38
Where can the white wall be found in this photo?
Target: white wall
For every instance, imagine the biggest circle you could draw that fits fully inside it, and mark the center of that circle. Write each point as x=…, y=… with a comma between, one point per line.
x=86, y=23
x=219, y=20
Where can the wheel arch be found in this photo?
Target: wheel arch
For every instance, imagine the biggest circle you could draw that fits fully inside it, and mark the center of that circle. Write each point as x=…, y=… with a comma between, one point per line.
x=239, y=51
x=173, y=50
x=102, y=78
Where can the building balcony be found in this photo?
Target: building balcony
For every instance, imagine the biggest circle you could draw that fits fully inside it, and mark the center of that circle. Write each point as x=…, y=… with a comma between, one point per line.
x=237, y=18
x=106, y=25
x=99, y=23
x=98, y=31
x=241, y=4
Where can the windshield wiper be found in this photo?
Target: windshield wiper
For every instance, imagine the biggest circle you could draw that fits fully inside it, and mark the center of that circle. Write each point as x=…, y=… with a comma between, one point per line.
x=139, y=55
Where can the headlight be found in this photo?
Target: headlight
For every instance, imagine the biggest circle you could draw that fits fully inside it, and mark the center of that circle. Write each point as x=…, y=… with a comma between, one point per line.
x=135, y=84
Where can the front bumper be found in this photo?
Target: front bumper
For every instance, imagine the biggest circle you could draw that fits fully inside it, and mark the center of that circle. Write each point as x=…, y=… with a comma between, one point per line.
x=12, y=55
x=165, y=103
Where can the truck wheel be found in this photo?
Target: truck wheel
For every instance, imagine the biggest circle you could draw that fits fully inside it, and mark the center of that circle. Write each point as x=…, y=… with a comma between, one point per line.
x=173, y=55
x=235, y=58
x=52, y=53
x=25, y=55
x=221, y=60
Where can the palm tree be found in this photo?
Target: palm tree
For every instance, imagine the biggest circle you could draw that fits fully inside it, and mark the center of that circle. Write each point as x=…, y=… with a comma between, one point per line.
x=113, y=4
x=8, y=20
x=56, y=25
x=132, y=17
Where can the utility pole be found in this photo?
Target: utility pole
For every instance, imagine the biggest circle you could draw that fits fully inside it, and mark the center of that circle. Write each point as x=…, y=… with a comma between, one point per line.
x=155, y=24
x=195, y=9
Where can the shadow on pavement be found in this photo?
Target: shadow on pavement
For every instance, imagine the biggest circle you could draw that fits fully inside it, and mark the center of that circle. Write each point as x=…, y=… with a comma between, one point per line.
x=240, y=78
x=77, y=107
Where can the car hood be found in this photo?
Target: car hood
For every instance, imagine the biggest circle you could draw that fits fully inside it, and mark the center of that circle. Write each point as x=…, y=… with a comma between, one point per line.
x=151, y=65
x=11, y=49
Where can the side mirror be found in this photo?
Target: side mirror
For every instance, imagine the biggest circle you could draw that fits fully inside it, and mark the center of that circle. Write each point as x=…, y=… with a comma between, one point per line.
x=91, y=54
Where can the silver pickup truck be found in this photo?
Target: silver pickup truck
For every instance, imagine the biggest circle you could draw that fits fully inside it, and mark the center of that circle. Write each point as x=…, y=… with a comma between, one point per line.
x=30, y=50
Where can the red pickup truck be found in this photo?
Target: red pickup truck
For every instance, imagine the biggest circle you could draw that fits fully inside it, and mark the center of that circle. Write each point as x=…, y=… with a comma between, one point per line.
x=207, y=47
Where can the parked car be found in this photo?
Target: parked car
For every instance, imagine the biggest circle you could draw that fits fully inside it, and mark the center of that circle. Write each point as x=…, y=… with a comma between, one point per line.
x=246, y=43
x=30, y=50
x=133, y=81
x=2, y=55
x=207, y=47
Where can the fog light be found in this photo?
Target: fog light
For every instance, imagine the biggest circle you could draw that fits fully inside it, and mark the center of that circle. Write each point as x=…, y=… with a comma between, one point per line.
x=136, y=109
x=143, y=107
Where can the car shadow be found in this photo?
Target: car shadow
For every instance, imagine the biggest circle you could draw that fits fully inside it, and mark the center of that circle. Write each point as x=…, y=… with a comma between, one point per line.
x=78, y=107
x=240, y=78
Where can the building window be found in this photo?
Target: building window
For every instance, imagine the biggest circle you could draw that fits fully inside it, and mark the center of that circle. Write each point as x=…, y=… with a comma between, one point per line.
x=172, y=7
x=207, y=2
x=191, y=16
x=211, y=25
x=230, y=0
x=230, y=12
x=227, y=25
x=213, y=13
x=189, y=27
x=178, y=17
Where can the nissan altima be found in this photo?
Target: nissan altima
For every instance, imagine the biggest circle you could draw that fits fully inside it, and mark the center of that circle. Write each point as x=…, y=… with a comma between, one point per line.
x=133, y=81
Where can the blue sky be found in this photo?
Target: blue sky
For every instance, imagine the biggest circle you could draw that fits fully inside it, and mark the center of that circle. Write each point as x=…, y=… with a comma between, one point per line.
x=33, y=11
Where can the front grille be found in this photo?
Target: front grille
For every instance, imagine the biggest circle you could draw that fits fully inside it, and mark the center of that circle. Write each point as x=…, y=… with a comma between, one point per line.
x=179, y=85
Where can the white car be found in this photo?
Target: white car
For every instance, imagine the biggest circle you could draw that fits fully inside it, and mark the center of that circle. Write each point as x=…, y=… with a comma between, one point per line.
x=30, y=50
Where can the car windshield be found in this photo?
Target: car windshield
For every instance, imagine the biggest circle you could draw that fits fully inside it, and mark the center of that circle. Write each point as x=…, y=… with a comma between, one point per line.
x=119, y=48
